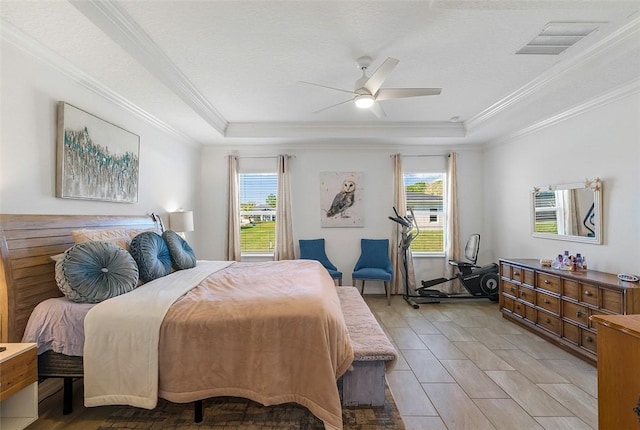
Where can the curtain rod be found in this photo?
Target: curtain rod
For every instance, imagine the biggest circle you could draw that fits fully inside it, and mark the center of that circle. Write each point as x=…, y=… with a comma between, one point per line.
x=262, y=156
x=421, y=156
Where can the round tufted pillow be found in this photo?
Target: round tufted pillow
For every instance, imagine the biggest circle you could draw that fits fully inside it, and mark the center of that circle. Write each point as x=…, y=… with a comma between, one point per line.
x=91, y=272
x=182, y=256
x=152, y=255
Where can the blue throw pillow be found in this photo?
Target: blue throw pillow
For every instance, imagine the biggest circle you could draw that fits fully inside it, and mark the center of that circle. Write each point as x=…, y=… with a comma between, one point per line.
x=151, y=253
x=182, y=256
x=91, y=272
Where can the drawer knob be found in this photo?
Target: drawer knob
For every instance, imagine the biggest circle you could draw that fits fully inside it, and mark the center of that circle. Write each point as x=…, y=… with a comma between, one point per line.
x=548, y=321
x=546, y=301
x=578, y=314
x=516, y=274
x=588, y=339
x=588, y=293
x=637, y=409
x=513, y=288
x=546, y=281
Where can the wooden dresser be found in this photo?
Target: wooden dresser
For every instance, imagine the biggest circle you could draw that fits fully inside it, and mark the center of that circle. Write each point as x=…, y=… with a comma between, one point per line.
x=618, y=376
x=558, y=304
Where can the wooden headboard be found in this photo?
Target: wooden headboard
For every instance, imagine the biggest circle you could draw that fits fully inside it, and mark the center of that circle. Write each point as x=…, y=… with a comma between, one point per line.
x=26, y=270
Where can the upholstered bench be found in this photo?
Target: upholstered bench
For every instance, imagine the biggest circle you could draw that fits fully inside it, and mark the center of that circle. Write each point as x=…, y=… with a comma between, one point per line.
x=364, y=384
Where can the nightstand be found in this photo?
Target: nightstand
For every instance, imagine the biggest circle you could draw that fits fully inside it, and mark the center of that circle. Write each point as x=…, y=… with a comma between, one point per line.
x=18, y=385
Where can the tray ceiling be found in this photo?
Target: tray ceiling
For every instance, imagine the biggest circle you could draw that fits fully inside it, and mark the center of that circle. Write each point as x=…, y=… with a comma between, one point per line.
x=227, y=72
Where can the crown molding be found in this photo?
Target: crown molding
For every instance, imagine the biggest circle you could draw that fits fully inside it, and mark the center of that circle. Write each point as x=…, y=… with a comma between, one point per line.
x=561, y=70
x=122, y=29
x=345, y=129
x=296, y=148
x=593, y=103
x=20, y=40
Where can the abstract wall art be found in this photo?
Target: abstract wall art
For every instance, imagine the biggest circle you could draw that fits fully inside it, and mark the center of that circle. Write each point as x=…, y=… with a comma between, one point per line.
x=341, y=199
x=95, y=160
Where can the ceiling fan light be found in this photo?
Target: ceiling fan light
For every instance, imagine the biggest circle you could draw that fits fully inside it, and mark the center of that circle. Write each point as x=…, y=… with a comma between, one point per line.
x=364, y=101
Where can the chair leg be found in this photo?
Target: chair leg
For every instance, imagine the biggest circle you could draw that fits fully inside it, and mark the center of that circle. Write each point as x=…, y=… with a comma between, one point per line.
x=387, y=291
x=362, y=288
x=339, y=282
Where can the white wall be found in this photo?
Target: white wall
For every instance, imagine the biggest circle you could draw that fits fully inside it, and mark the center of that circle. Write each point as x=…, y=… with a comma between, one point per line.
x=342, y=244
x=603, y=142
x=30, y=90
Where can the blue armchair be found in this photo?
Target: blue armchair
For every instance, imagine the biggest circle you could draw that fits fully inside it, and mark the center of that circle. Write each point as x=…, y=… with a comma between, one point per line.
x=374, y=264
x=313, y=249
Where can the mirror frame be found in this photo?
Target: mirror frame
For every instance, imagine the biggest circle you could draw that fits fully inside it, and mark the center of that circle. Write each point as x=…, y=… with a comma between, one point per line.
x=596, y=186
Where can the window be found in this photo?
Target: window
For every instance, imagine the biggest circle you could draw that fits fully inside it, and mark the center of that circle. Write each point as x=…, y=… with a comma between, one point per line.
x=424, y=193
x=258, y=197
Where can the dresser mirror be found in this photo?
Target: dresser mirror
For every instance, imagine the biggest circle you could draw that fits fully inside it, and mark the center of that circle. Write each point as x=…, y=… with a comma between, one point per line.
x=568, y=211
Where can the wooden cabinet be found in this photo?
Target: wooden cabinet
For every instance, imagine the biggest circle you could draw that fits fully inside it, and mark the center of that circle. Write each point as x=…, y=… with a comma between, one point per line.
x=18, y=385
x=558, y=305
x=618, y=376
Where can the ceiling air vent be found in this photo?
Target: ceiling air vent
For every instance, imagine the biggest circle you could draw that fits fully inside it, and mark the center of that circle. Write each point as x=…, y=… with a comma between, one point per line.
x=556, y=37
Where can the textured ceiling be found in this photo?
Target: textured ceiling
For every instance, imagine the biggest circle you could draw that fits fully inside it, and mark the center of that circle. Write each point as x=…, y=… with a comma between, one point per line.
x=228, y=72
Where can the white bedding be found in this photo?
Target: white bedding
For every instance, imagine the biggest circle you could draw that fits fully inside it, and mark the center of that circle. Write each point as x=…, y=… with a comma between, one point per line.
x=116, y=369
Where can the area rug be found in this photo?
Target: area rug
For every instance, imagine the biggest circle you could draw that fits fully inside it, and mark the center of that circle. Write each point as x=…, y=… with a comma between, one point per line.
x=232, y=413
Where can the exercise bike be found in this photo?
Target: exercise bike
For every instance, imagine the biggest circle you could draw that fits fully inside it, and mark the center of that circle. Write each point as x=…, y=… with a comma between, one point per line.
x=478, y=281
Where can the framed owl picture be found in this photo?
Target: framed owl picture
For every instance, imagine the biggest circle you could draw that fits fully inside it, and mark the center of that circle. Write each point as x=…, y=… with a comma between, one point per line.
x=341, y=199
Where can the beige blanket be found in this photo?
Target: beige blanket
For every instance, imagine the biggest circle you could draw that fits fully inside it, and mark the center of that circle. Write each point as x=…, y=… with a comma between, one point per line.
x=272, y=332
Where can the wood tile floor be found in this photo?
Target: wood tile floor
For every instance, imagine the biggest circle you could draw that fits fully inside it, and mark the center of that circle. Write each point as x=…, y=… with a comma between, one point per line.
x=463, y=366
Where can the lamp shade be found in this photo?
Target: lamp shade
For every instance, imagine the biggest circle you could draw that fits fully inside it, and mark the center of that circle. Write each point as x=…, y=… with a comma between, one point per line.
x=181, y=221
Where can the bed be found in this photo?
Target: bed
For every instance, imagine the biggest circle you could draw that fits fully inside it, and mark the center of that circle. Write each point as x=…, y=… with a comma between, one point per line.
x=279, y=298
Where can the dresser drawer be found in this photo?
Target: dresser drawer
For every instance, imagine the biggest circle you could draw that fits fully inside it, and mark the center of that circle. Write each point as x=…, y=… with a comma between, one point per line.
x=548, y=282
x=531, y=314
x=527, y=294
x=571, y=332
x=519, y=309
x=18, y=372
x=516, y=274
x=528, y=277
x=589, y=341
x=505, y=270
x=547, y=302
x=509, y=288
x=612, y=301
x=508, y=303
x=589, y=294
x=549, y=322
x=575, y=312
x=570, y=289
x=580, y=336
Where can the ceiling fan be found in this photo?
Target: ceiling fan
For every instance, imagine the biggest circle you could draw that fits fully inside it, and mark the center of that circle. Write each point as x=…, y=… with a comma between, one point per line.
x=367, y=92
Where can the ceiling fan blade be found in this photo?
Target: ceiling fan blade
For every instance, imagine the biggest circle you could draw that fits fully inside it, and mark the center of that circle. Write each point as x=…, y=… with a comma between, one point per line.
x=374, y=83
x=337, y=104
x=325, y=86
x=399, y=93
x=377, y=110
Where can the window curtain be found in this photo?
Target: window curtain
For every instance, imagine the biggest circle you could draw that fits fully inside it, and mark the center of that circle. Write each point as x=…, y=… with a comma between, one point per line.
x=233, y=216
x=400, y=203
x=284, y=229
x=452, y=234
